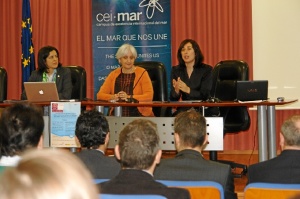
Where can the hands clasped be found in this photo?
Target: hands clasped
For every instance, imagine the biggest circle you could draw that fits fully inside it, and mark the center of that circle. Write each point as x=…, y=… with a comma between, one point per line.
x=179, y=85
x=122, y=95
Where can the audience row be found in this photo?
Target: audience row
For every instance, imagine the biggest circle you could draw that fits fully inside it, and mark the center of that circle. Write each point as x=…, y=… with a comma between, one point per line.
x=137, y=164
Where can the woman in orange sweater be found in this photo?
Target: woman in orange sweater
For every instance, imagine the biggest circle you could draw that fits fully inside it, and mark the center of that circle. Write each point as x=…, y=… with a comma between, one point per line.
x=127, y=83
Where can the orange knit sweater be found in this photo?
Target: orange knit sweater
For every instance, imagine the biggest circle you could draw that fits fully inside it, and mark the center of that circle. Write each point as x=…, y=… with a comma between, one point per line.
x=143, y=91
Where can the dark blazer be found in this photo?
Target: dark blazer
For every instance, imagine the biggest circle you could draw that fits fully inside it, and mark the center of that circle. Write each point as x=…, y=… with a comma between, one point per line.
x=101, y=166
x=63, y=82
x=190, y=165
x=284, y=168
x=133, y=181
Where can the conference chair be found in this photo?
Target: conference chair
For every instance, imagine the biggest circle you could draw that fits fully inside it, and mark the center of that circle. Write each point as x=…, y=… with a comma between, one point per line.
x=3, y=84
x=78, y=75
x=157, y=74
x=130, y=196
x=236, y=119
x=198, y=189
x=271, y=190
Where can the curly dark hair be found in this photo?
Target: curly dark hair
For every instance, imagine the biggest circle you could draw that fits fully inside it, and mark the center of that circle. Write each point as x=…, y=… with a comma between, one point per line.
x=21, y=127
x=91, y=129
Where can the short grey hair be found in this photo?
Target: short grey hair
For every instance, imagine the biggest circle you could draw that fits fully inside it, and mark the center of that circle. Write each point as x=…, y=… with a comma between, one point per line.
x=290, y=130
x=124, y=49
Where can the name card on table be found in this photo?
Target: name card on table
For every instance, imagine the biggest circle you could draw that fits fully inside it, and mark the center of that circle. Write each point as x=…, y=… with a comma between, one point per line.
x=63, y=117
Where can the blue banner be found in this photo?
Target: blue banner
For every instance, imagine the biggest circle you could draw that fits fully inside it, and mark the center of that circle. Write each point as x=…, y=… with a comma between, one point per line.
x=27, y=58
x=143, y=23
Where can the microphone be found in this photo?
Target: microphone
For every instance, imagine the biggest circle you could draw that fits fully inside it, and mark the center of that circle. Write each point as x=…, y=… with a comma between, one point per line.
x=131, y=99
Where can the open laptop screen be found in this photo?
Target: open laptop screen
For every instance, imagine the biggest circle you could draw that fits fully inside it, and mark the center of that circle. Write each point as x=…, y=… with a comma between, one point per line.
x=252, y=90
x=41, y=91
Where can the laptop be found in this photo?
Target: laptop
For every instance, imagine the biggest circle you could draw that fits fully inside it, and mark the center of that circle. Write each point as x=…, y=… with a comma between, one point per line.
x=252, y=90
x=41, y=91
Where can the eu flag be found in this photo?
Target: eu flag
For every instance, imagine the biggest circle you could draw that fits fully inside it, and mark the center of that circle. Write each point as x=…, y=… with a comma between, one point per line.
x=26, y=40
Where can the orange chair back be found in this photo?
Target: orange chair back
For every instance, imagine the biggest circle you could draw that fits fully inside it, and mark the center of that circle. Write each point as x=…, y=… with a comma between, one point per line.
x=271, y=191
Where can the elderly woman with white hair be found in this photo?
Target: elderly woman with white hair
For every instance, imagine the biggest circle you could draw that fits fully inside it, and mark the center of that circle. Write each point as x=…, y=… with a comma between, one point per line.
x=128, y=83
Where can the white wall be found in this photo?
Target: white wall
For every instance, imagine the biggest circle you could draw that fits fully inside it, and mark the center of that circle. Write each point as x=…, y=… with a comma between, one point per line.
x=276, y=46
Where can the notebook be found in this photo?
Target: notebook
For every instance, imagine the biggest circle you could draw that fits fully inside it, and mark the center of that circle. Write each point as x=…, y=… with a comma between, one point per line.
x=252, y=90
x=41, y=91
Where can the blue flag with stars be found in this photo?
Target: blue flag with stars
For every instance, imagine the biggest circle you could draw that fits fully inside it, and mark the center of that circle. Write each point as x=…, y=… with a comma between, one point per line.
x=26, y=40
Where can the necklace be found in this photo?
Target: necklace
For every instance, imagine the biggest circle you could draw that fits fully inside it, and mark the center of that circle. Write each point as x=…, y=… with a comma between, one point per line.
x=128, y=71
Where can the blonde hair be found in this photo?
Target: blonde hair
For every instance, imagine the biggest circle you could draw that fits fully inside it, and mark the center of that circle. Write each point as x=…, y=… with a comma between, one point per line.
x=48, y=174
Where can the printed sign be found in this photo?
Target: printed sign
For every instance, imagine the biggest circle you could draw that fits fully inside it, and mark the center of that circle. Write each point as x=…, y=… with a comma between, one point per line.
x=145, y=24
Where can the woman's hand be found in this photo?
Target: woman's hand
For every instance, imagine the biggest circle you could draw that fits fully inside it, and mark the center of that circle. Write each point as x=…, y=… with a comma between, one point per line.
x=182, y=86
x=123, y=95
x=176, y=86
x=115, y=97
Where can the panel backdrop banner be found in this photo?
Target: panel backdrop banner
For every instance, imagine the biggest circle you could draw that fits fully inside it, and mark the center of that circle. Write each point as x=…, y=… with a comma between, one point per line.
x=143, y=23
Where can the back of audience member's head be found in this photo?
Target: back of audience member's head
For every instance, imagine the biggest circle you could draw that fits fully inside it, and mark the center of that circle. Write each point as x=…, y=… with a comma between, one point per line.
x=290, y=130
x=190, y=126
x=138, y=144
x=21, y=128
x=47, y=174
x=91, y=129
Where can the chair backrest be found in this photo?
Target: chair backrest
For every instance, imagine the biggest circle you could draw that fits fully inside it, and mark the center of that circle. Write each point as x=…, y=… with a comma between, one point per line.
x=205, y=189
x=158, y=76
x=225, y=75
x=78, y=75
x=129, y=196
x=3, y=84
x=271, y=190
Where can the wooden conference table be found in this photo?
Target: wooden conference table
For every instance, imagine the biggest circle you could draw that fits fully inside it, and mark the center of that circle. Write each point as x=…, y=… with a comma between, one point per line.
x=266, y=116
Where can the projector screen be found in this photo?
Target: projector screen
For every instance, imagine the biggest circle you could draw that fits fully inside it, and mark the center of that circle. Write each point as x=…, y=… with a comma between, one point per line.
x=276, y=47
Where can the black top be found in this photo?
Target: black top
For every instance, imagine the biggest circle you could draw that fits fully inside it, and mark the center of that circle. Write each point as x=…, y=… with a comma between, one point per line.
x=200, y=82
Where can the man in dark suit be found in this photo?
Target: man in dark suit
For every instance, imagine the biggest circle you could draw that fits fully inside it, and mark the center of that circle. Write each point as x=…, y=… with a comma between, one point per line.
x=285, y=168
x=138, y=151
x=190, y=138
x=92, y=132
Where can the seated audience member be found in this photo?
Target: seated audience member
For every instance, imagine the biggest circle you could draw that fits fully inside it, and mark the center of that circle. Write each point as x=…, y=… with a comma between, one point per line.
x=21, y=128
x=128, y=83
x=190, y=138
x=48, y=174
x=285, y=168
x=92, y=132
x=138, y=151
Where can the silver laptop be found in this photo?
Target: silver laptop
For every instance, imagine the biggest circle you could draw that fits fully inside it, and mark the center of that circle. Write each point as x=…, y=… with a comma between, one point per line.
x=41, y=91
x=252, y=90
